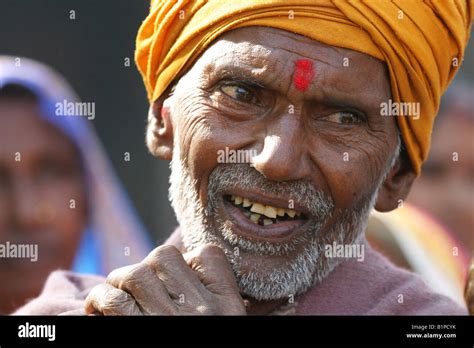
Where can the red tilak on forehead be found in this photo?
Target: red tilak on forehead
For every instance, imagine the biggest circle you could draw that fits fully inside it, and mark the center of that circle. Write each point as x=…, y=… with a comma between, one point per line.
x=303, y=74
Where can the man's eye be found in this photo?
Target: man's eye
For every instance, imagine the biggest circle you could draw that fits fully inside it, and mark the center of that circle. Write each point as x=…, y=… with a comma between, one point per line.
x=239, y=92
x=344, y=118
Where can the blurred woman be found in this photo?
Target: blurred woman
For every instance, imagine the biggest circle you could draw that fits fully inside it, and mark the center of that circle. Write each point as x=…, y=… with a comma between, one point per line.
x=57, y=188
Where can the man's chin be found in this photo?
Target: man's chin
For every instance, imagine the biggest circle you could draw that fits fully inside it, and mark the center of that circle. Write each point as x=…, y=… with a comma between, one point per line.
x=271, y=276
x=277, y=277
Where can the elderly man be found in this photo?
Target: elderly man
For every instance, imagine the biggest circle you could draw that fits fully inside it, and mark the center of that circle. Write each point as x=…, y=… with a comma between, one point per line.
x=332, y=102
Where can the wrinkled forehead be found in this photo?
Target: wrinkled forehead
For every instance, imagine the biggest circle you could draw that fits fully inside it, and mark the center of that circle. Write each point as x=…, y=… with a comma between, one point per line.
x=269, y=56
x=265, y=42
x=262, y=41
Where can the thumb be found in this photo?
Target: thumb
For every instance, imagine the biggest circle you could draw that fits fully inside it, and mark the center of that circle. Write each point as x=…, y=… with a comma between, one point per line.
x=213, y=269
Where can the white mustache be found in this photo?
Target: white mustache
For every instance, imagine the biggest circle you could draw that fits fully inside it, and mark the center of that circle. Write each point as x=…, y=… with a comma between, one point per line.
x=242, y=176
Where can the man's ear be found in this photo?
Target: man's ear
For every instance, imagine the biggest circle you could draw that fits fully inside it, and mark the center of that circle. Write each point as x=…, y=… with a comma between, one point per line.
x=159, y=136
x=396, y=185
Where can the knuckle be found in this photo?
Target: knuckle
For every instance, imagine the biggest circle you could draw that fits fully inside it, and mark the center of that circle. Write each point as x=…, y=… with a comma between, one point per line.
x=117, y=302
x=93, y=295
x=129, y=277
x=107, y=299
x=206, y=256
x=114, y=276
x=165, y=254
x=115, y=298
x=134, y=277
x=210, y=251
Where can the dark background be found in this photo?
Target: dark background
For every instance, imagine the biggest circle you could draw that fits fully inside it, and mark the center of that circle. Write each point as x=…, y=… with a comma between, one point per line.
x=90, y=51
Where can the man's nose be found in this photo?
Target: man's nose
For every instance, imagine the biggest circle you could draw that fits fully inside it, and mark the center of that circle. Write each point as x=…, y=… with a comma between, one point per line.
x=284, y=155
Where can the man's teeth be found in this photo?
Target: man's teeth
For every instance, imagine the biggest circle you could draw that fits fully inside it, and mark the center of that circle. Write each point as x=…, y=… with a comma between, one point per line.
x=246, y=203
x=267, y=222
x=270, y=212
x=259, y=209
x=292, y=213
x=254, y=217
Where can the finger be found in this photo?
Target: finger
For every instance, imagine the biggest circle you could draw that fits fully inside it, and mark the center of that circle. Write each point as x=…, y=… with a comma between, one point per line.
x=174, y=272
x=147, y=289
x=213, y=269
x=109, y=300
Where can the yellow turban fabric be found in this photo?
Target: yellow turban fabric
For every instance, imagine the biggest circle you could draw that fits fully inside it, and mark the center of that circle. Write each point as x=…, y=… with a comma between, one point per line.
x=421, y=41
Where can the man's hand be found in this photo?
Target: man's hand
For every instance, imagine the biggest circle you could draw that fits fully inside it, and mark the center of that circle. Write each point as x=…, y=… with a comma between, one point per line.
x=167, y=282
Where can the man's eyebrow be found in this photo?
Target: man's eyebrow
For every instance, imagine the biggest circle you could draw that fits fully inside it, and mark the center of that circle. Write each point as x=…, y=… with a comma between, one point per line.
x=239, y=73
x=348, y=102
x=335, y=102
x=244, y=74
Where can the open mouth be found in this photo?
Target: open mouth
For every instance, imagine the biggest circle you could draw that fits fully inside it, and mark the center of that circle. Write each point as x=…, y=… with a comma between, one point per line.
x=264, y=214
x=258, y=217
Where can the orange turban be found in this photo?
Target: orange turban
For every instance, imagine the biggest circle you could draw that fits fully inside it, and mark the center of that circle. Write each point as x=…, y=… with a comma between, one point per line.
x=421, y=41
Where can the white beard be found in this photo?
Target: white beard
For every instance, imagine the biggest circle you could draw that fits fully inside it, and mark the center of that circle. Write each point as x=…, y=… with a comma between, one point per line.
x=201, y=225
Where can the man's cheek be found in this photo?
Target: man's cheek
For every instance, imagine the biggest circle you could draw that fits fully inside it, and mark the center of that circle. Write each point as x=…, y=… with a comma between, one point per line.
x=199, y=134
x=348, y=175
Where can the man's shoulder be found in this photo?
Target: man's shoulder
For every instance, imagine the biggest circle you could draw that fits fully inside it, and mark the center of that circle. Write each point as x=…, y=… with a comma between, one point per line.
x=408, y=294
x=375, y=287
x=64, y=291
